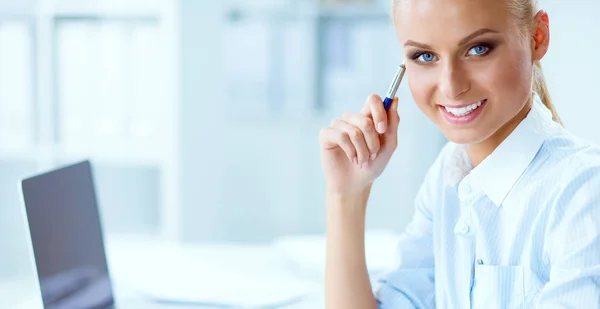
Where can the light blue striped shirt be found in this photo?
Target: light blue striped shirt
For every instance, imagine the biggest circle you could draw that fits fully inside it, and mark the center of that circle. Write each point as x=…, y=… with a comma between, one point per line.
x=520, y=230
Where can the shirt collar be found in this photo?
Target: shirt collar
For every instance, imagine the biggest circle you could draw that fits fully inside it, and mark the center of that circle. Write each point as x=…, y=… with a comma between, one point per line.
x=498, y=173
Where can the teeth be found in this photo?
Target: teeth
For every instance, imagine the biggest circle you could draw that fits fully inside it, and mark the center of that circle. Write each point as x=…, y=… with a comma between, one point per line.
x=462, y=111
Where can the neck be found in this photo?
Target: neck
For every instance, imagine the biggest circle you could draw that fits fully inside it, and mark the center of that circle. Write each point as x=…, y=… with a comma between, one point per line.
x=479, y=151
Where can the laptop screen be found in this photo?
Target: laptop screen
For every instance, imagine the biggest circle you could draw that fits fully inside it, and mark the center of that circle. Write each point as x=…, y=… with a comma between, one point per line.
x=67, y=240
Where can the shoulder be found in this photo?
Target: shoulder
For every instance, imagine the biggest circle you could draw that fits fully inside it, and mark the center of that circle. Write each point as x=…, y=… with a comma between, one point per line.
x=572, y=193
x=568, y=159
x=569, y=169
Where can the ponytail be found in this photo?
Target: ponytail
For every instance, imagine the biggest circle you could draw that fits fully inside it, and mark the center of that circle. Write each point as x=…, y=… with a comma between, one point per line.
x=540, y=87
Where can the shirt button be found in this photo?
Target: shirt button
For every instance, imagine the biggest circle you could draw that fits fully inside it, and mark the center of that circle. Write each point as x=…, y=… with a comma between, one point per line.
x=461, y=228
x=464, y=229
x=465, y=190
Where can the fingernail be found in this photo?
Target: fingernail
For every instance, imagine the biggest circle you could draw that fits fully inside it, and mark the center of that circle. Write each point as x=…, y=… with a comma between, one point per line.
x=381, y=127
x=373, y=156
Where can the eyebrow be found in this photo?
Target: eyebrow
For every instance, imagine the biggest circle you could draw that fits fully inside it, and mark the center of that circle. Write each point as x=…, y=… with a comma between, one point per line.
x=462, y=42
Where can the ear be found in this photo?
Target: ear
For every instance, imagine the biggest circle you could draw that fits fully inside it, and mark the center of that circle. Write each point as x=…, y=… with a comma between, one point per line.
x=541, y=35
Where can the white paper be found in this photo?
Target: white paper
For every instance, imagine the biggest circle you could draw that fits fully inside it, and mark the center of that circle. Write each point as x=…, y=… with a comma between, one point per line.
x=223, y=287
x=224, y=276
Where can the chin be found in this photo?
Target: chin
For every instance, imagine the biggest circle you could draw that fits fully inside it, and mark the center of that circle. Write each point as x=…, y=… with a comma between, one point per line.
x=468, y=136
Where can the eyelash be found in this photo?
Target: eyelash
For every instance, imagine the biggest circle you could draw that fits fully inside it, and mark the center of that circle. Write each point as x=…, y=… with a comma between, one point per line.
x=489, y=46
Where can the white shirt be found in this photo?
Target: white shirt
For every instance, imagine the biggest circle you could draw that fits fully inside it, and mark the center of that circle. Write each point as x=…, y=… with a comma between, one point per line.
x=521, y=230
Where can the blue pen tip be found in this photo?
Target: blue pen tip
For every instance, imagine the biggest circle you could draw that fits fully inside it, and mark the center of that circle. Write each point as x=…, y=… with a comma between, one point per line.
x=387, y=103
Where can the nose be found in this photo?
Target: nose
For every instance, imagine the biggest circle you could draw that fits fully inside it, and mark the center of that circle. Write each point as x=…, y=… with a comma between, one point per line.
x=453, y=81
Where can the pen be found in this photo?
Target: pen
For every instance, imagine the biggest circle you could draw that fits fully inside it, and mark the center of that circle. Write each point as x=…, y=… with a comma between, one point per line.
x=387, y=102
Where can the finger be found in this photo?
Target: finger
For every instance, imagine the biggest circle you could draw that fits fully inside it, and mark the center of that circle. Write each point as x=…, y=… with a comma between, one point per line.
x=375, y=108
x=357, y=137
x=368, y=129
x=331, y=137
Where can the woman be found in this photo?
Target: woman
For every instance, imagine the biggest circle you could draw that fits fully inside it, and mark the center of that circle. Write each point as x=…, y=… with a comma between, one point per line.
x=508, y=215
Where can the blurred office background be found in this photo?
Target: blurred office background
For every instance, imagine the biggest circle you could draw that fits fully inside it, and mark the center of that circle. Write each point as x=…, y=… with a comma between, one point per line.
x=202, y=117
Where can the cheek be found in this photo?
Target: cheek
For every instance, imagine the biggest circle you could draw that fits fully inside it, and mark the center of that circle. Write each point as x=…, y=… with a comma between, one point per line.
x=495, y=76
x=422, y=85
x=521, y=75
x=508, y=79
x=513, y=73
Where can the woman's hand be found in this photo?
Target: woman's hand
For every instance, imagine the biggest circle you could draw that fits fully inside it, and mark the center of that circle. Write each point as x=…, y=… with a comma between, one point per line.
x=356, y=148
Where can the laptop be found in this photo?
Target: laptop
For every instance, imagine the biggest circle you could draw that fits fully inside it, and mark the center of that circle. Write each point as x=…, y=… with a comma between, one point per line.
x=67, y=239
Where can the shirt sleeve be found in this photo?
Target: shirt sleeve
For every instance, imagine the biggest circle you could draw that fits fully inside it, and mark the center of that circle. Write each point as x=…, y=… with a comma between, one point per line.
x=573, y=246
x=410, y=283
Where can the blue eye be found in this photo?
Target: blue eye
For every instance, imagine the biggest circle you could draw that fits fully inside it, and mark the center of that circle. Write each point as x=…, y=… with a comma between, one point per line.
x=426, y=57
x=479, y=50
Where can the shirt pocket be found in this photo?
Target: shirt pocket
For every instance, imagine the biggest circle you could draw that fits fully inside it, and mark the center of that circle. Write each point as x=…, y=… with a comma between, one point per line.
x=498, y=287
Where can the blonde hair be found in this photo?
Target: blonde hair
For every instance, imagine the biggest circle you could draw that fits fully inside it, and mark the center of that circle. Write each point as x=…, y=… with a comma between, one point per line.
x=524, y=12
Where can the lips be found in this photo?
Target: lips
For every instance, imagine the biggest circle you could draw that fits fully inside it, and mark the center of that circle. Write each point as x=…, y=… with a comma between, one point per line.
x=464, y=114
x=464, y=109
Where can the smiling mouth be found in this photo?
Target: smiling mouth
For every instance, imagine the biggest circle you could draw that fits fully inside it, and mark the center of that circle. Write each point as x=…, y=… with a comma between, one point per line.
x=465, y=110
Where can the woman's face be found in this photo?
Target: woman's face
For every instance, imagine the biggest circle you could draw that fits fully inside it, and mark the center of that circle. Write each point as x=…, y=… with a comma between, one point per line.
x=468, y=69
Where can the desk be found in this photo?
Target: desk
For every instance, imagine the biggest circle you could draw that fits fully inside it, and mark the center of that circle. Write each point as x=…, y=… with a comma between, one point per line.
x=137, y=264
x=235, y=269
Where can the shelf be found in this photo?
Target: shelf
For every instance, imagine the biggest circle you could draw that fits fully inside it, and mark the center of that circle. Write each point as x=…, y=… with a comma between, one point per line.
x=114, y=155
x=108, y=8
x=104, y=156
x=354, y=12
x=18, y=154
x=11, y=8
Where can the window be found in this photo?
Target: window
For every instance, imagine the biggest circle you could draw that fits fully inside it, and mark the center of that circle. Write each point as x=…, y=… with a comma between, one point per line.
x=109, y=85
x=16, y=91
x=89, y=79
